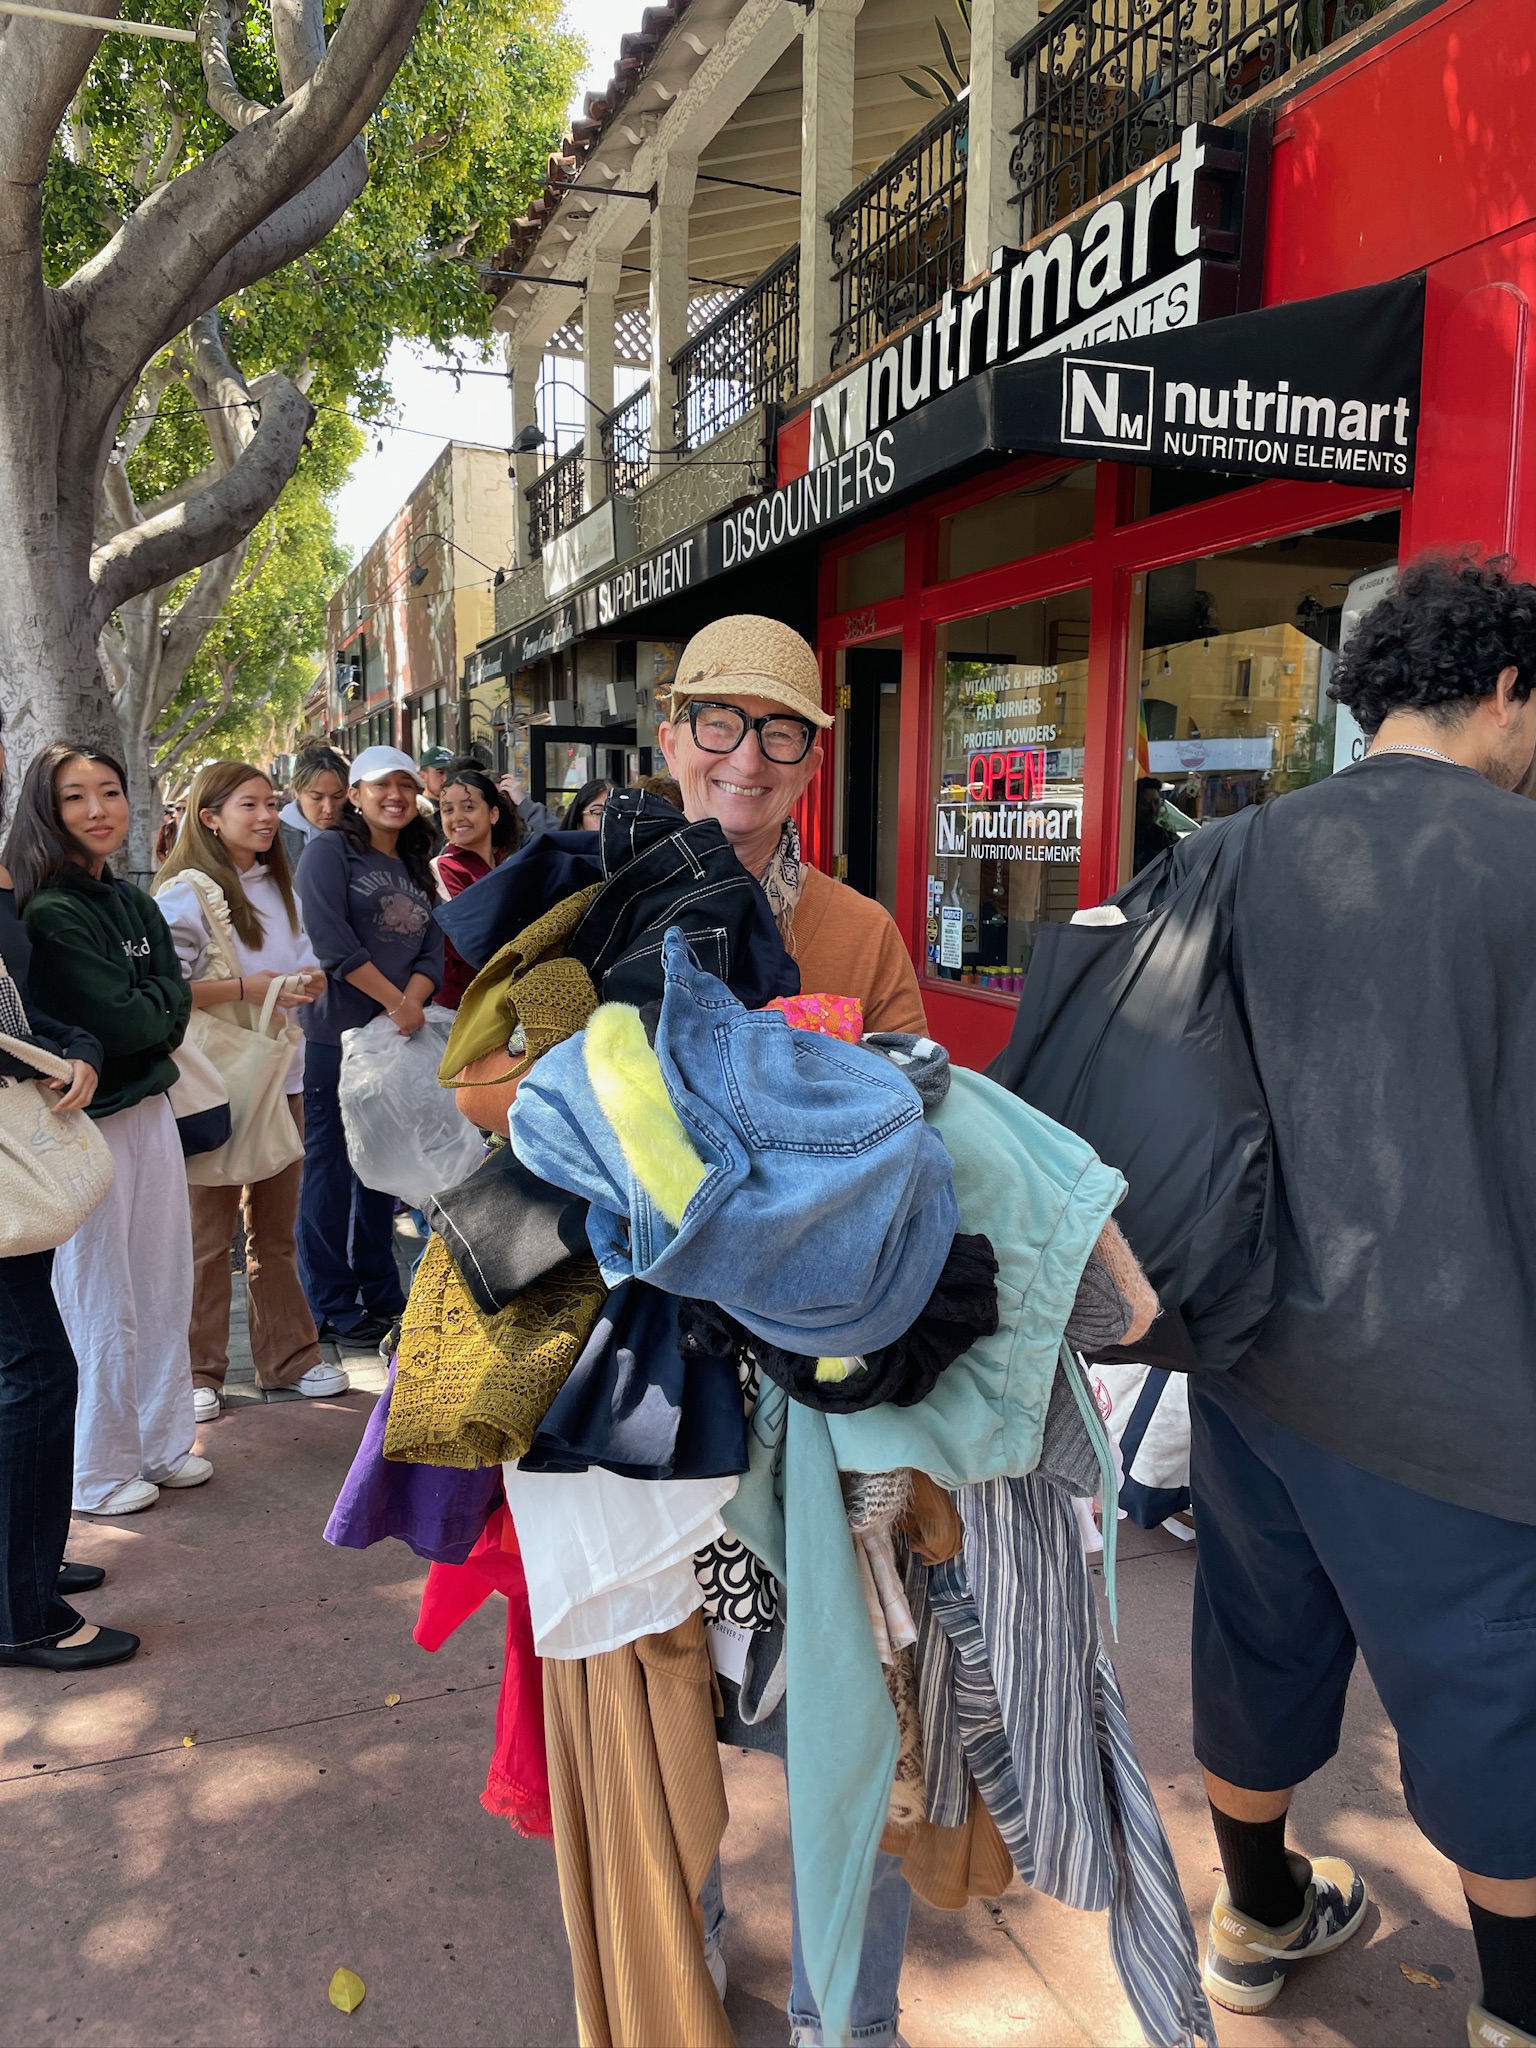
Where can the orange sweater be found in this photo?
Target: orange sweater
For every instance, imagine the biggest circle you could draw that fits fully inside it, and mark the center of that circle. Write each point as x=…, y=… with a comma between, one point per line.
x=847, y=945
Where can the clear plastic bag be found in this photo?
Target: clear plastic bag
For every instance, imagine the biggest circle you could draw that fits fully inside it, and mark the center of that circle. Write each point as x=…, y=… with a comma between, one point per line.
x=405, y=1136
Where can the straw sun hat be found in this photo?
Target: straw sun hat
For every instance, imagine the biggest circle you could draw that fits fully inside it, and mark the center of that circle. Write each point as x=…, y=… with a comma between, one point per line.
x=750, y=656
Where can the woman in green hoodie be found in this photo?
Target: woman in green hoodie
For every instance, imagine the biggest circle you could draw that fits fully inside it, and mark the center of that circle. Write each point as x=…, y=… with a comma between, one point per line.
x=103, y=957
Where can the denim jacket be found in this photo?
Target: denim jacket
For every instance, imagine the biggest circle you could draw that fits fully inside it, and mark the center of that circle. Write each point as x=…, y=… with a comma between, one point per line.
x=808, y=1197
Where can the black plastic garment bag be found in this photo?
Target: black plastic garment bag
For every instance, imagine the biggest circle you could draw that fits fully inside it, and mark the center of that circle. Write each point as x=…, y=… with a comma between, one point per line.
x=1133, y=1036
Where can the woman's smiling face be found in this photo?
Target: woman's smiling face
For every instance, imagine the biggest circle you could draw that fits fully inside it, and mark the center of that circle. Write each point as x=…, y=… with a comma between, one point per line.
x=750, y=795
x=93, y=808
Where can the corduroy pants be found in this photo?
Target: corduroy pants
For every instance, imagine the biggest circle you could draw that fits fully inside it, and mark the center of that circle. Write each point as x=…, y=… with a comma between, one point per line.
x=639, y=1809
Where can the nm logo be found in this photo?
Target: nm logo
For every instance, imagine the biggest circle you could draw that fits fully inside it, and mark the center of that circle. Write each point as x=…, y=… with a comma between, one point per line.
x=1106, y=405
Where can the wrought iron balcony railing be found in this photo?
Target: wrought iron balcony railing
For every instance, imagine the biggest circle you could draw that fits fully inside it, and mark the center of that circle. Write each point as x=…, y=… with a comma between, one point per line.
x=557, y=500
x=898, y=240
x=1108, y=84
x=747, y=356
x=626, y=436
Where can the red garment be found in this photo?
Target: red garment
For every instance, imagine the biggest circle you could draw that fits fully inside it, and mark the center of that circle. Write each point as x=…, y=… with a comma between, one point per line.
x=517, y=1783
x=456, y=867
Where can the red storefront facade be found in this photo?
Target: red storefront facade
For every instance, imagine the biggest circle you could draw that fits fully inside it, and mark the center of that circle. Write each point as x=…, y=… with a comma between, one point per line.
x=1185, y=628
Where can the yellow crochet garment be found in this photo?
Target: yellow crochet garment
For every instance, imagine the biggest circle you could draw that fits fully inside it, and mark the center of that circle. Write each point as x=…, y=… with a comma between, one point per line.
x=471, y=1389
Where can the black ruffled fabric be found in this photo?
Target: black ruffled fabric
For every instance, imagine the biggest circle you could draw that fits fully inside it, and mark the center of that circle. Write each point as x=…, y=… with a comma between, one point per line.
x=961, y=1308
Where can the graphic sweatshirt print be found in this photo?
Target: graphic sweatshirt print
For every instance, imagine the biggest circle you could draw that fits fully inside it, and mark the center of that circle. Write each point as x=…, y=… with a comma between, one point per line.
x=361, y=908
x=103, y=959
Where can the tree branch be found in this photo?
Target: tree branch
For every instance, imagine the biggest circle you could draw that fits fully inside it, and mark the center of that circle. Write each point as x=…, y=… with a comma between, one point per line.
x=115, y=656
x=191, y=622
x=41, y=66
x=146, y=284
x=160, y=550
x=298, y=36
x=224, y=95
x=165, y=761
x=178, y=494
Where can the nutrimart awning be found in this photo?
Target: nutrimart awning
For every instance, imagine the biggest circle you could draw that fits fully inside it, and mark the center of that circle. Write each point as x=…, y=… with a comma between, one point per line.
x=1327, y=388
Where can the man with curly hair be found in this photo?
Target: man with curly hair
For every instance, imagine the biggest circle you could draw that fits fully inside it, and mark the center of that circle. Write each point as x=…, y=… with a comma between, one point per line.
x=1365, y=1477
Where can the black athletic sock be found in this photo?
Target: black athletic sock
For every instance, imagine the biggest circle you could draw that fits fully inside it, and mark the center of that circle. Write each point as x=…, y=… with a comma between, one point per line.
x=1262, y=1883
x=1506, y=1954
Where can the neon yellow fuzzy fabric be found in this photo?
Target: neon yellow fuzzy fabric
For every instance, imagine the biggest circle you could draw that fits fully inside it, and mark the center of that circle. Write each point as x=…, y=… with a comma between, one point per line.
x=626, y=1079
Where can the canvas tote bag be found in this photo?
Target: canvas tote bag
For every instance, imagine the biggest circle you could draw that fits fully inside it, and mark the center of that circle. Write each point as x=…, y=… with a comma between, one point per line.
x=252, y=1052
x=54, y=1168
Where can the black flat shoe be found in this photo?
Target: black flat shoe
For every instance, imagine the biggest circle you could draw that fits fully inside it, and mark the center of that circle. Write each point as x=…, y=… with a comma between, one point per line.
x=80, y=1578
x=107, y=1646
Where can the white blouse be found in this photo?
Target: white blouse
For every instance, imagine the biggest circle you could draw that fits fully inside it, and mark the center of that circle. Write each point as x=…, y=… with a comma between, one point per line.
x=282, y=950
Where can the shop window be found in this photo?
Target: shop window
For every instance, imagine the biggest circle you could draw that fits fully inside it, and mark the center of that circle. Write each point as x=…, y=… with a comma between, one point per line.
x=1017, y=523
x=872, y=575
x=1237, y=653
x=1005, y=847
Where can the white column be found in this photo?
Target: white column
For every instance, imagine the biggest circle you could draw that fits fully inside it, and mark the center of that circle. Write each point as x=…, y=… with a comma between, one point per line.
x=997, y=105
x=525, y=384
x=669, y=289
x=826, y=171
x=597, y=317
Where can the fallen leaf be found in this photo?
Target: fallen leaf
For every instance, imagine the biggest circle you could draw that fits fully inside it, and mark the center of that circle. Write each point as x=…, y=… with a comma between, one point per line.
x=347, y=1991
x=391, y=1699
x=189, y=1741
x=1432, y=1980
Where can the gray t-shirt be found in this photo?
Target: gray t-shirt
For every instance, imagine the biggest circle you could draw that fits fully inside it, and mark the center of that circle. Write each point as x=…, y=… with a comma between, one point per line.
x=1385, y=946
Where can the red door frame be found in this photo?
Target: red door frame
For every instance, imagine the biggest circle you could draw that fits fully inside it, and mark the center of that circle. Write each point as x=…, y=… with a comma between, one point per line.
x=974, y=1023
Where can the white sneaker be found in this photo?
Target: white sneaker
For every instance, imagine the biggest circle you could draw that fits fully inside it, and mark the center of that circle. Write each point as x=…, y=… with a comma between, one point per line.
x=126, y=1499
x=206, y=1404
x=192, y=1471
x=322, y=1380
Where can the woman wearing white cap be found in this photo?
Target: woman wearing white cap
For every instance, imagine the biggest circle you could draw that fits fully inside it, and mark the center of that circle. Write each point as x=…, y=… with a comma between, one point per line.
x=367, y=889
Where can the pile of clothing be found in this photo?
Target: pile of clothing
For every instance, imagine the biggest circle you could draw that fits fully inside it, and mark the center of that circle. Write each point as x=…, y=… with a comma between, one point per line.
x=751, y=1348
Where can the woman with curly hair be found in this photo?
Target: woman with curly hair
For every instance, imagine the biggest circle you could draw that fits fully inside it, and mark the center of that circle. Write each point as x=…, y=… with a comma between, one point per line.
x=1364, y=1477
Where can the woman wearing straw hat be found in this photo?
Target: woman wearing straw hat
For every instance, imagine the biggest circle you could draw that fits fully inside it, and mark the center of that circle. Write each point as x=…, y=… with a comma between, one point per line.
x=743, y=742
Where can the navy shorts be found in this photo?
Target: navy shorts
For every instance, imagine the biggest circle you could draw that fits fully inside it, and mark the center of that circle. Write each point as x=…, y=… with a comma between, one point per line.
x=1302, y=1559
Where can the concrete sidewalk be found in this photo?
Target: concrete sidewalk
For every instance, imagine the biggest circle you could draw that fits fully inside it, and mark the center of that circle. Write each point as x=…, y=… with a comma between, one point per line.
x=193, y=1842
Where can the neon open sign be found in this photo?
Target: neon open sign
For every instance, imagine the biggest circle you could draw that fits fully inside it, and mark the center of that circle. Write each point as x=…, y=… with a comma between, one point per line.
x=1007, y=775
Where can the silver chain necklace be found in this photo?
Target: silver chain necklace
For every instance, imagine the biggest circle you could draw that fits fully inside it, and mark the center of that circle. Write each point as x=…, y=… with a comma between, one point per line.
x=1407, y=747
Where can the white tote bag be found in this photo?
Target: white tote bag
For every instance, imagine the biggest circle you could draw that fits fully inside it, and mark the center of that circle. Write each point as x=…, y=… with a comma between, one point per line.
x=55, y=1167
x=252, y=1053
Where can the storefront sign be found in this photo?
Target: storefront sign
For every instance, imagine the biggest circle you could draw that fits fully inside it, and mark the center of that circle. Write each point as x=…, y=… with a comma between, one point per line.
x=607, y=534
x=1157, y=256
x=676, y=567
x=1324, y=388
x=1047, y=828
x=546, y=634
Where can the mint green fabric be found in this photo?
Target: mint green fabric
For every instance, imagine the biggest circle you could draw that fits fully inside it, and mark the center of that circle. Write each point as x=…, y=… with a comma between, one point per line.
x=1042, y=1197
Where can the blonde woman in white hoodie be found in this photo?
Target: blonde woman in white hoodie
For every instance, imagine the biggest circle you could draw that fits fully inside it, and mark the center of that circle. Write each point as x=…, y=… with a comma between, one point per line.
x=230, y=833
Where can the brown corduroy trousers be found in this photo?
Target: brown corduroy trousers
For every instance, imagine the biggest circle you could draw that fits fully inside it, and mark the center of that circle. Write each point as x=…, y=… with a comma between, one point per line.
x=284, y=1344
x=639, y=1809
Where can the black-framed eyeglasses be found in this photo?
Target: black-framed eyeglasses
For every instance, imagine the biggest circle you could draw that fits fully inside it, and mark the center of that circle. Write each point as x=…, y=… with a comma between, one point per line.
x=721, y=728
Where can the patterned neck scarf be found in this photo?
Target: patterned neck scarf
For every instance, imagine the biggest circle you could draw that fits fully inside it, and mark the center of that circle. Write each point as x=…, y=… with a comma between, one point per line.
x=784, y=878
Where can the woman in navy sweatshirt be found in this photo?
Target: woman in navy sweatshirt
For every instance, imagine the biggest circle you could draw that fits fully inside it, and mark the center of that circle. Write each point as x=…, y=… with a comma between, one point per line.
x=367, y=889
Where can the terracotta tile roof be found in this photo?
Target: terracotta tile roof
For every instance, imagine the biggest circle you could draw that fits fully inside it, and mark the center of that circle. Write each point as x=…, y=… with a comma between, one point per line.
x=636, y=53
